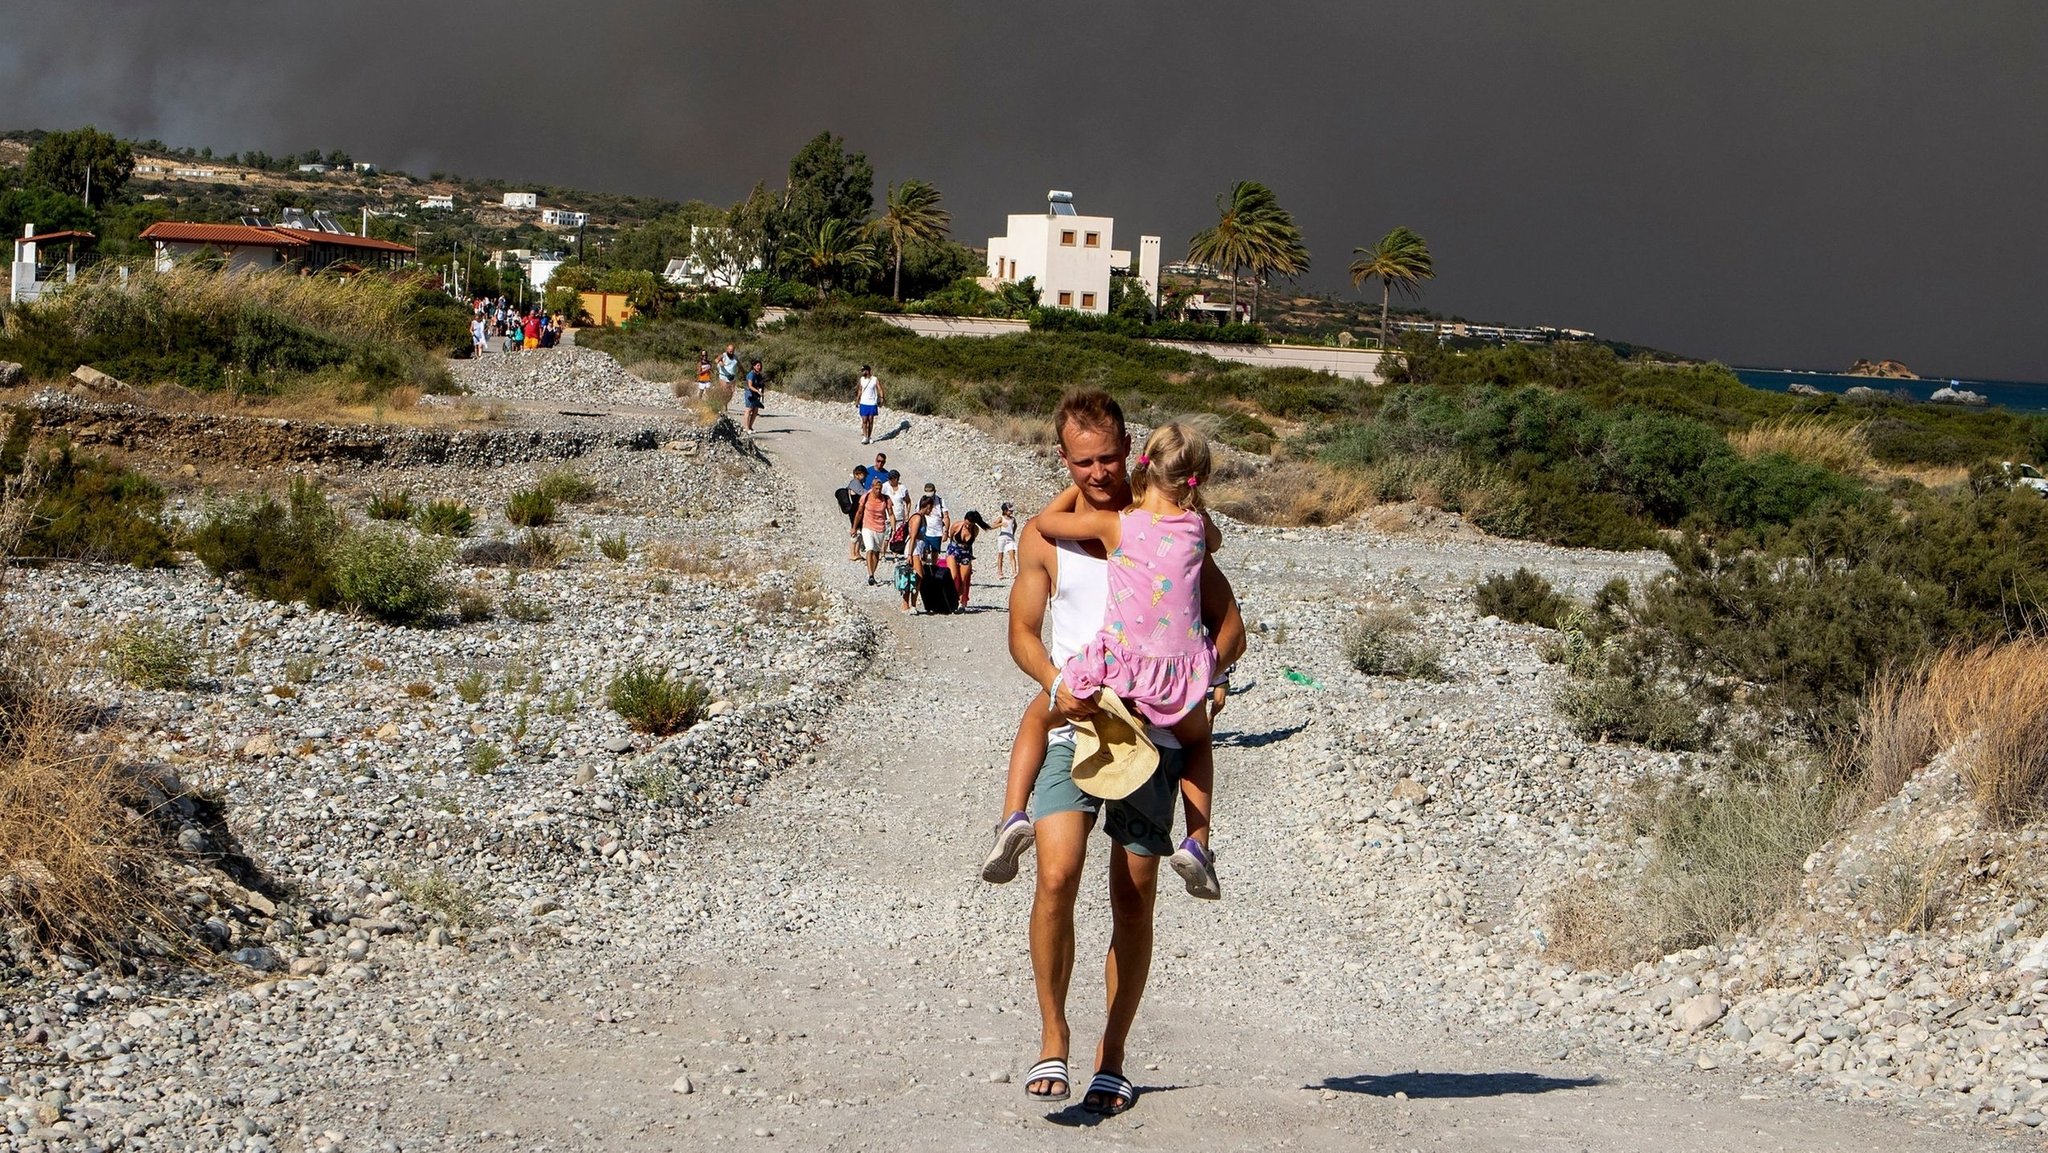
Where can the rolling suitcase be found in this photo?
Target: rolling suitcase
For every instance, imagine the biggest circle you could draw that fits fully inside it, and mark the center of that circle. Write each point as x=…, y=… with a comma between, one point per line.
x=936, y=590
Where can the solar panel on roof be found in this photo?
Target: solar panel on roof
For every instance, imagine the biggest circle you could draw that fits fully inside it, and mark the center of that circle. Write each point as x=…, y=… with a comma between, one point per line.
x=1060, y=203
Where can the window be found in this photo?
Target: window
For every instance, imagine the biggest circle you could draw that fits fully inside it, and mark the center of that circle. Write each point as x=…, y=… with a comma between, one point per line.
x=1067, y=238
x=1093, y=240
x=1067, y=298
x=1087, y=300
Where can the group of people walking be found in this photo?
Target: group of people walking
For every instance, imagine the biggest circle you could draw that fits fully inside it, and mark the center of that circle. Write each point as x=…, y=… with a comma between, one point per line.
x=750, y=388
x=933, y=552
x=513, y=328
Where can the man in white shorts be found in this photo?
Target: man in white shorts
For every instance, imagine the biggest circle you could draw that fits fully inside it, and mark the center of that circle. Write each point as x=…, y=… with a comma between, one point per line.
x=869, y=403
x=1070, y=582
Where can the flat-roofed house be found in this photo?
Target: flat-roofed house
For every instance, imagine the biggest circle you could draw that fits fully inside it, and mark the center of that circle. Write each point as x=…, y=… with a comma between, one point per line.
x=1068, y=256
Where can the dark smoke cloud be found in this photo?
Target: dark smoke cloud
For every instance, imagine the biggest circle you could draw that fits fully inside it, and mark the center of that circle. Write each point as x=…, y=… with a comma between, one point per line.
x=1769, y=183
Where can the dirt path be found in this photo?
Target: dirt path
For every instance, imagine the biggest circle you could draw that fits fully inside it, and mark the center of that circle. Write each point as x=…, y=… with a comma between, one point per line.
x=829, y=973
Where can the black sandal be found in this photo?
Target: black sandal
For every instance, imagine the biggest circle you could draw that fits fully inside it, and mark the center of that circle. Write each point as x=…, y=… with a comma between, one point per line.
x=1115, y=1088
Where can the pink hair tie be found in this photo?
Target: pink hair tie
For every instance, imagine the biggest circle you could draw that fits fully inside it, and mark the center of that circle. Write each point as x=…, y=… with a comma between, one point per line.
x=1144, y=461
x=1193, y=481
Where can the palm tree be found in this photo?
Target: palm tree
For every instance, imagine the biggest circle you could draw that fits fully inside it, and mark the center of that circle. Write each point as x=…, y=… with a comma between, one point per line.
x=1400, y=262
x=1280, y=252
x=912, y=214
x=835, y=247
x=1232, y=241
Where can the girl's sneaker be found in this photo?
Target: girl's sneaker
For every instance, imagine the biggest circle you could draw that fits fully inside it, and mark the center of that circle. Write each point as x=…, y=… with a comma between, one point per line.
x=1198, y=869
x=1014, y=837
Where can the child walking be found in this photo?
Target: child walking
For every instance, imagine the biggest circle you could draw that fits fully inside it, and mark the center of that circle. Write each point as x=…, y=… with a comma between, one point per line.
x=1152, y=650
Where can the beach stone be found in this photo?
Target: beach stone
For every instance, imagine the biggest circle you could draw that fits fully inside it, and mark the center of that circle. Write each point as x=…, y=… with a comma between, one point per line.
x=684, y=1085
x=1699, y=1012
x=619, y=744
x=10, y=373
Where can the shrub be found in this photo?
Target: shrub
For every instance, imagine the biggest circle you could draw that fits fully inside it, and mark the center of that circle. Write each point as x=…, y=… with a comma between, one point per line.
x=393, y=575
x=1836, y=447
x=1992, y=702
x=1378, y=644
x=471, y=686
x=454, y=903
x=614, y=546
x=1609, y=706
x=391, y=504
x=279, y=551
x=150, y=654
x=473, y=605
x=530, y=508
x=567, y=486
x=526, y=609
x=445, y=518
x=86, y=508
x=485, y=758
x=651, y=702
x=1521, y=597
x=1725, y=855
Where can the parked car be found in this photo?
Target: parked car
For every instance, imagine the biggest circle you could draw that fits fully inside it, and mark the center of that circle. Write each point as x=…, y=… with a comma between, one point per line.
x=2025, y=476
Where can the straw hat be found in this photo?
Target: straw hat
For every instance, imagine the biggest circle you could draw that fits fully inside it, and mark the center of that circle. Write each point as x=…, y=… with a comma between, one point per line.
x=1112, y=754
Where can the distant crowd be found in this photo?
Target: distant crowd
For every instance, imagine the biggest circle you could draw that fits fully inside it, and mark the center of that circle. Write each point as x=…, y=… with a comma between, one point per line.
x=513, y=329
x=933, y=551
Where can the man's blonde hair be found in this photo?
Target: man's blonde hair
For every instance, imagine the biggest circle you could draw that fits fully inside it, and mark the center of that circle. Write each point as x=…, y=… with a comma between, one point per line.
x=1176, y=457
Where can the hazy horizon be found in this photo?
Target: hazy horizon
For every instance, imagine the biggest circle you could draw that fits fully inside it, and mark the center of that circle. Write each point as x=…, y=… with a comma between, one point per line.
x=1765, y=187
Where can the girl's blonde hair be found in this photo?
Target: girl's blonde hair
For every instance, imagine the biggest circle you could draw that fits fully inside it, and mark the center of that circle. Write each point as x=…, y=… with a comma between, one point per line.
x=1175, y=457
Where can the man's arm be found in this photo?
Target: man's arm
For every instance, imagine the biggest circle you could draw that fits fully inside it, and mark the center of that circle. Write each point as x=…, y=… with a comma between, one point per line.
x=1219, y=613
x=1029, y=591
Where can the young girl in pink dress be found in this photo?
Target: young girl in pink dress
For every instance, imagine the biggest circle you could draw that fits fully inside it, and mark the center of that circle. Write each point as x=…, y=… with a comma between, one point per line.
x=1153, y=650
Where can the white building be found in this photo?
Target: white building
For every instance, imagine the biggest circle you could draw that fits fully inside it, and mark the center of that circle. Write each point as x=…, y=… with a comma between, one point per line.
x=1068, y=256
x=438, y=202
x=563, y=218
x=714, y=261
x=522, y=200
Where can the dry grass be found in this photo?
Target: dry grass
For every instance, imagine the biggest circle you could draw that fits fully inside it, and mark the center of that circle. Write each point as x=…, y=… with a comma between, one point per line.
x=1841, y=448
x=1291, y=493
x=1993, y=701
x=1990, y=704
x=1029, y=431
x=360, y=308
x=694, y=560
x=78, y=857
x=1895, y=736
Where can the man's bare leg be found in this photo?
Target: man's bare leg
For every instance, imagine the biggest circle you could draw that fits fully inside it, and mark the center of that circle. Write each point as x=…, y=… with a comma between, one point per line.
x=1062, y=850
x=1133, y=887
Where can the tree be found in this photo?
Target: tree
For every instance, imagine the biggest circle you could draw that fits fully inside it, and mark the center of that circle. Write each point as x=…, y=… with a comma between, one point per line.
x=834, y=248
x=86, y=164
x=826, y=182
x=1400, y=262
x=1252, y=232
x=913, y=214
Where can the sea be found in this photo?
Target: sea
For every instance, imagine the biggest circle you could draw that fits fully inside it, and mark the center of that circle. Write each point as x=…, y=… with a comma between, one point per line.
x=2012, y=395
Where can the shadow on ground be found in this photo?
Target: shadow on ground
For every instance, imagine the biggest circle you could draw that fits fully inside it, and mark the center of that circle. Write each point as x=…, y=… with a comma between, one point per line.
x=1256, y=740
x=1419, y=1085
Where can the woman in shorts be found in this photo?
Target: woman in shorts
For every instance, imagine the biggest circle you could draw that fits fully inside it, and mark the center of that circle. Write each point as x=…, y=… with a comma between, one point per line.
x=1006, y=541
x=960, y=552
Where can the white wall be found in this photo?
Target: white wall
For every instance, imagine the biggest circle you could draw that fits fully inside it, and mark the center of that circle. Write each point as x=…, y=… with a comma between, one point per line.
x=521, y=199
x=257, y=259
x=1033, y=242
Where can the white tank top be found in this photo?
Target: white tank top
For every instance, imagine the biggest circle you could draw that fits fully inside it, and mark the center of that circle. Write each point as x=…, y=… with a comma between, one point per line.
x=1080, y=595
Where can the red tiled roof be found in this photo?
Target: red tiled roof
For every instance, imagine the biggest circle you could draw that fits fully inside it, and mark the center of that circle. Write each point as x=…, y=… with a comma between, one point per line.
x=241, y=235
x=244, y=235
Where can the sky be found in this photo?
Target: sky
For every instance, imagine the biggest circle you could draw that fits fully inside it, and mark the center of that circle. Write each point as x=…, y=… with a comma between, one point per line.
x=1764, y=183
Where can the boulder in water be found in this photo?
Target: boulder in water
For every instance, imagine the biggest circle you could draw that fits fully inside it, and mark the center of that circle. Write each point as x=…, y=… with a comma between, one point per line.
x=1953, y=395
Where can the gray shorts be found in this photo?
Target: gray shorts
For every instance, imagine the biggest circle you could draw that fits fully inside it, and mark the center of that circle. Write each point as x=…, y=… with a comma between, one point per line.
x=1141, y=823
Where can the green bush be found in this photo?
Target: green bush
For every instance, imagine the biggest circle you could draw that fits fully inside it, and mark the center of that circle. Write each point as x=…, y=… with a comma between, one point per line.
x=651, y=702
x=526, y=610
x=615, y=546
x=567, y=486
x=87, y=508
x=391, y=504
x=277, y=550
x=1521, y=597
x=530, y=508
x=393, y=575
x=1380, y=643
x=1623, y=708
x=445, y=518
x=473, y=605
x=150, y=654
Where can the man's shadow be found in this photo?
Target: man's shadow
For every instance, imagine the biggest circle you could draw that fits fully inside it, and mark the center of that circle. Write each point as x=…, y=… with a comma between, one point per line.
x=1256, y=740
x=1443, y=1086
x=893, y=433
x=1075, y=1117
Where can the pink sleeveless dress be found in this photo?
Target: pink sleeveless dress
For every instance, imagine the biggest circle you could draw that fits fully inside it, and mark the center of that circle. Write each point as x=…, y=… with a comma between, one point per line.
x=1153, y=650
